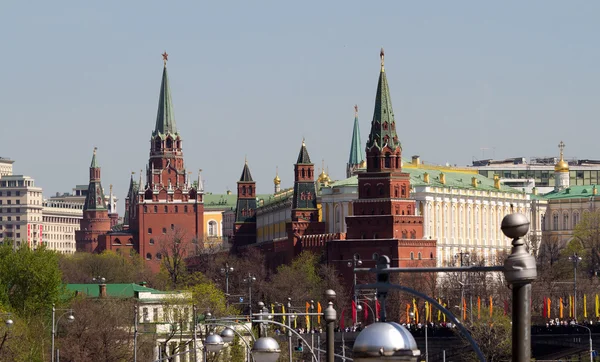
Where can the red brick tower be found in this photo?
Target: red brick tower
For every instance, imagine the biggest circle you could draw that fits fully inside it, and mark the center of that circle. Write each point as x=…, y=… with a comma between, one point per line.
x=305, y=215
x=168, y=205
x=95, y=220
x=245, y=213
x=384, y=219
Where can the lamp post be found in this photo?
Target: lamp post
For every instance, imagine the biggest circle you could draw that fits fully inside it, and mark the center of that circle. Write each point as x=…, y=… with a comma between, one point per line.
x=250, y=279
x=226, y=271
x=591, y=348
x=575, y=259
x=355, y=262
x=330, y=317
x=462, y=256
x=519, y=271
x=266, y=349
x=70, y=319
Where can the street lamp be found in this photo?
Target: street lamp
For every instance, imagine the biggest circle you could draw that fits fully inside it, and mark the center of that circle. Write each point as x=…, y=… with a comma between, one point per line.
x=99, y=280
x=250, y=279
x=385, y=341
x=462, y=256
x=355, y=262
x=70, y=319
x=591, y=348
x=228, y=334
x=575, y=259
x=266, y=349
x=226, y=271
x=330, y=317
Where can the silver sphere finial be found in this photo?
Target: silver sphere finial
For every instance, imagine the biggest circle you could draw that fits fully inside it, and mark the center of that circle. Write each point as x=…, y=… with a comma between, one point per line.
x=515, y=225
x=330, y=295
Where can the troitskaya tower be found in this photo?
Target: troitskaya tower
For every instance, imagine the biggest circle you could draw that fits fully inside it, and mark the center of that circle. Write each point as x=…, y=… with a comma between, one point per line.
x=168, y=204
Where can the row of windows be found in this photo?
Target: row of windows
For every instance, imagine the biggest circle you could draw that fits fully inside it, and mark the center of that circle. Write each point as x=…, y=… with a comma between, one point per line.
x=9, y=218
x=565, y=221
x=9, y=202
x=166, y=209
x=149, y=256
x=545, y=177
x=17, y=183
x=9, y=193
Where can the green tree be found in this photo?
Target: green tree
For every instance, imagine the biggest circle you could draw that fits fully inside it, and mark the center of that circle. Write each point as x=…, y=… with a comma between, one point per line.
x=115, y=267
x=236, y=351
x=587, y=233
x=492, y=335
x=30, y=280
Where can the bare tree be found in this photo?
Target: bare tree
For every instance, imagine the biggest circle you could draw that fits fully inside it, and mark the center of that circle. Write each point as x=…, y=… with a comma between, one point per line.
x=175, y=248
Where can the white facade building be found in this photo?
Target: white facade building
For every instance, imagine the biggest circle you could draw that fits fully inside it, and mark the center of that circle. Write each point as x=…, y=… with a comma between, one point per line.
x=461, y=209
x=61, y=219
x=6, y=168
x=21, y=211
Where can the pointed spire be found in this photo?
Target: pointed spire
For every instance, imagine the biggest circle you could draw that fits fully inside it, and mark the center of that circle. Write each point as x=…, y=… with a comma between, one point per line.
x=303, y=157
x=165, y=119
x=141, y=184
x=94, y=163
x=383, y=126
x=246, y=176
x=356, y=151
x=382, y=56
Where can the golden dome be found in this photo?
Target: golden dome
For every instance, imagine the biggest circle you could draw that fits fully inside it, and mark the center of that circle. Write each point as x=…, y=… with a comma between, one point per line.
x=363, y=164
x=276, y=180
x=562, y=165
x=323, y=177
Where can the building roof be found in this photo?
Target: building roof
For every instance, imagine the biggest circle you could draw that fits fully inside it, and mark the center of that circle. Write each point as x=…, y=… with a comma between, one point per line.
x=303, y=157
x=573, y=192
x=165, y=118
x=112, y=290
x=246, y=176
x=225, y=201
x=356, y=151
x=383, y=126
x=453, y=179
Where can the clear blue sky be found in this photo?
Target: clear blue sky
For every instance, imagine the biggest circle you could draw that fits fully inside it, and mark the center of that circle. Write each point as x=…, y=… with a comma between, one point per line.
x=252, y=78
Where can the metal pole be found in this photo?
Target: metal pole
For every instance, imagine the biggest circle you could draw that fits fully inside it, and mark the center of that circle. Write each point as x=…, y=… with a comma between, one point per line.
x=444, y=355
x=319, y=344
x=519, y=271
x=330, y=318
x=426, y=346
x=575, y=289
x=195, y=336
x=135, y=332
x=57, y=355
x=53, y=329
x=250, y=295
x=289, y=332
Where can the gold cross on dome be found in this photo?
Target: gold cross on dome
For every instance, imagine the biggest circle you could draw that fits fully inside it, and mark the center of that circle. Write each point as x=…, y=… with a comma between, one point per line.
x=165, y=57
x=561, y=147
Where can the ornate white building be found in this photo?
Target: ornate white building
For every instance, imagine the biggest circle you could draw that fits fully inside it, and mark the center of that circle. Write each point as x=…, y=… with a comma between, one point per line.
x=462, y=210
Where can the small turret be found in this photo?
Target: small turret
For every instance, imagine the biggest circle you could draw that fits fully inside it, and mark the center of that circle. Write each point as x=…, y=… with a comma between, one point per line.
x=561, y=171
x=277, y=181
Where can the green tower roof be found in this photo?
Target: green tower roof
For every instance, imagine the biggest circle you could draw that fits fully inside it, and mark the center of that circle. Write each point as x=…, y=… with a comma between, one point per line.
x=246, y=176
x=165, y=120
x=383, y=126
x=94, y=163
x=356, y=152
x=303, y=157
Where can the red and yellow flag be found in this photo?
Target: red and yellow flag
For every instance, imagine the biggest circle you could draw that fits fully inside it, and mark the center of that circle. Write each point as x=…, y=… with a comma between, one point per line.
x=560, y=308
x=491, y=306
x=319, y=310
x=549, y=306
x=478, y=307
x=584, y=306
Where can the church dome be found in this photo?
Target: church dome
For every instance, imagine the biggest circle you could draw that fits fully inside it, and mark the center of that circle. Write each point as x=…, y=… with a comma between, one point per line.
x=363, y=164
x=562, y=165
x=277, y=180
x=323, y=177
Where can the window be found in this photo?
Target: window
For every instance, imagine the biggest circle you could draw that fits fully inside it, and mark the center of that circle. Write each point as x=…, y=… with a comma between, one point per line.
x=148, y=256
x=18, y=235
x=555, y=222
x=176, y=209
x=18, y=202
x=164, y=230
x=166, y=209
x=158, y=256
x=565, y=221
x=8, y=193
x=172, y=226
x=419, y=255
x=212, y=228
x=185, y=209
x=145, y=209
x=151, y=241
x=149, y=230
x=18, y=193
x=18, y=218
x=155, y=209
x=412, y=256
x=575, y=219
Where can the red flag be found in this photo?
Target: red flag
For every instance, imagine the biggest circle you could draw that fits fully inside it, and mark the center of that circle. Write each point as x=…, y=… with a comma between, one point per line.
x=365, y=312
x=545, y=309
x=342, y=321
x=353, y=312
x=377, y=309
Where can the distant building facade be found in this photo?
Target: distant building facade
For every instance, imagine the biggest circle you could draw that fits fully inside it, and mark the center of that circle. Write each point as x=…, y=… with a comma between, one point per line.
x=6, y=167
x=21, y=211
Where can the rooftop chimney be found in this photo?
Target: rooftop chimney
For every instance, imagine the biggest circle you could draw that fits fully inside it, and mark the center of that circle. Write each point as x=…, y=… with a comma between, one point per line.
x=416, y=160
x=102, y=290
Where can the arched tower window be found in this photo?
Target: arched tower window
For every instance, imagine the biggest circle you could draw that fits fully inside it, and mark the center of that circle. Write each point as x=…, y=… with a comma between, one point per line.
x=157, y=144
x=169, y=143
x=387, y=160
x=412, y=255
x=303, y=173
x=555, y=222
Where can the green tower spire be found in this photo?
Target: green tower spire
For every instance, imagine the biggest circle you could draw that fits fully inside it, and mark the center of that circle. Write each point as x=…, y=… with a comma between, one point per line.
x=383, y=126
x=165, y=120
x=246, y=176
x=303, y=157
x=94, y=163
x=356, y=152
